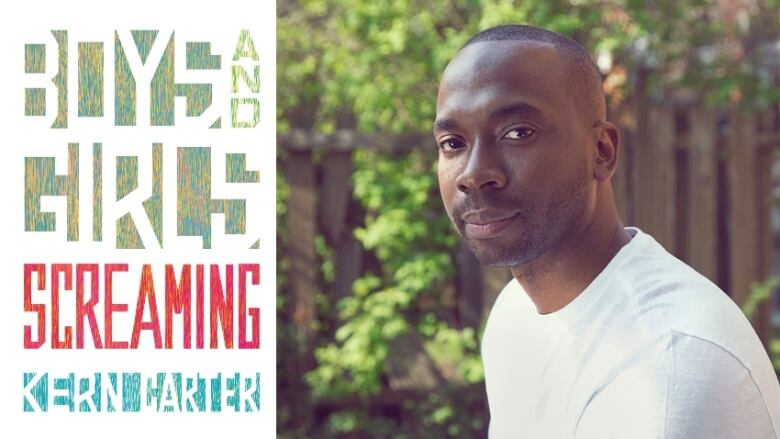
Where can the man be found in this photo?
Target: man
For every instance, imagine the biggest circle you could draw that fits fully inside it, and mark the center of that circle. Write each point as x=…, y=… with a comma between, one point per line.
x=601, y=333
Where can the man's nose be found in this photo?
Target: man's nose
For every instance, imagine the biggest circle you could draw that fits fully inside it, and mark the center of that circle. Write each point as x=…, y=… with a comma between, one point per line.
x=484, y=169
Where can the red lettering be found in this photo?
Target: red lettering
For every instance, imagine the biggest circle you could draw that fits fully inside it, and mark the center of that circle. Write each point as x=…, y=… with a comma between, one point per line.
x=56, y=269
x=111, y=308
x=87, y=309
x=177, y=300
x=146, y=296
x=254, y=312
x=38, y=308
x=221, y=306
x=199, y=305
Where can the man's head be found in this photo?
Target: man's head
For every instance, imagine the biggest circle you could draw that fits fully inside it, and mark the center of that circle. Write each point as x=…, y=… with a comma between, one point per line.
x=525, y=152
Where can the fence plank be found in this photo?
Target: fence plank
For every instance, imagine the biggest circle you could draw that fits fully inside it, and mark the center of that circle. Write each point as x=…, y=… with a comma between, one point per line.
x=703, y=185
x=655, y=176
x=743, y=206
x=334, y=207
x=468, y=292
x=348, y=254
x=763, y=318
x=409, y=367
x=335, y=193
x=621, y=180
x=302, y=227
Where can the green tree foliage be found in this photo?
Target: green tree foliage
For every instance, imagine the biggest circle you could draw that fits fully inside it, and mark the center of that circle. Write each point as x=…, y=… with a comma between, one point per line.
x=374, y=66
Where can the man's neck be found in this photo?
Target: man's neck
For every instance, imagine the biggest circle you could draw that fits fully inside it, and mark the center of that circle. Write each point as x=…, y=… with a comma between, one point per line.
x=558, y=277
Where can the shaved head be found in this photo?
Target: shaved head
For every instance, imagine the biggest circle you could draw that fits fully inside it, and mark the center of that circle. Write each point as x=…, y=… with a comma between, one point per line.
x=525, y=152
x=526, y=157
x=584, y=79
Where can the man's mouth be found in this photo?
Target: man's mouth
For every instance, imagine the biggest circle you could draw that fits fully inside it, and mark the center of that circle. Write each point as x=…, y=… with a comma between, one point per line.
x=486, y=223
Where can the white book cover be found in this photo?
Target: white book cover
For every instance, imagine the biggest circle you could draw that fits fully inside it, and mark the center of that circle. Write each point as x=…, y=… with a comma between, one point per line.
x=138, y=218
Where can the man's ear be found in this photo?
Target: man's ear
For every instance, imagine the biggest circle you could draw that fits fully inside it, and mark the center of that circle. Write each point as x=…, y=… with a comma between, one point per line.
x=607, y=146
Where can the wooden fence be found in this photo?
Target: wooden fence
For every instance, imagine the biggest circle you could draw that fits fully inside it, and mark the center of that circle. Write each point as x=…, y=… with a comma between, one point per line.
x=698, y=180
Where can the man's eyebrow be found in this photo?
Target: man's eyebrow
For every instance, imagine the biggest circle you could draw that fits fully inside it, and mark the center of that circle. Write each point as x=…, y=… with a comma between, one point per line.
x=516, y=109
x=523, y=109
x=444, y=125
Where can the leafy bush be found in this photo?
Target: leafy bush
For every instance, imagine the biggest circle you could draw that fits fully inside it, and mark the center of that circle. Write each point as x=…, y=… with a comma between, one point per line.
x=374, y=66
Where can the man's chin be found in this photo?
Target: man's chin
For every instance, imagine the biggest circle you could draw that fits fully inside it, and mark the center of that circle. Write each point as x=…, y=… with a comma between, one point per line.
x=496, y=257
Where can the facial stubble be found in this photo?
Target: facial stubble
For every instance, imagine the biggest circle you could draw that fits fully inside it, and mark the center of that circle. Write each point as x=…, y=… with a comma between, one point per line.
x=539, y=232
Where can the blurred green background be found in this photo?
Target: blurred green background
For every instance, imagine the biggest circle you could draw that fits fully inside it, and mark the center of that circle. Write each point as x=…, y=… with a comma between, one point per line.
x=380, y=309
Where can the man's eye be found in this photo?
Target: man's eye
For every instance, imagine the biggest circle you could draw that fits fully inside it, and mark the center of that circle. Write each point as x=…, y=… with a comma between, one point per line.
x=519, y=133
x=450, y=144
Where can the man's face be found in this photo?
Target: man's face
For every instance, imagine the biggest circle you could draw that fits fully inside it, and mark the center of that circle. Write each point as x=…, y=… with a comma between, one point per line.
x=515, y=151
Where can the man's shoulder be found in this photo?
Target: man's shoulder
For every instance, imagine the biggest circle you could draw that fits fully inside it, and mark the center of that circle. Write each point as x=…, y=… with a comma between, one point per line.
x=669, y=298
x=665, y=294
x=649, y=268
x=684, y=386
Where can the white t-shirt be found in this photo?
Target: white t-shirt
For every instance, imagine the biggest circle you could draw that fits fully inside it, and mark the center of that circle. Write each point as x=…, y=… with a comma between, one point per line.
x=650, y=349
